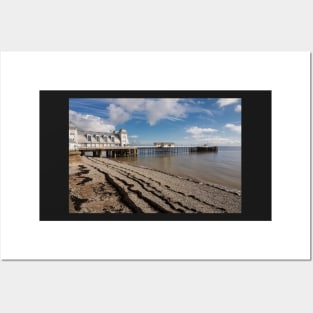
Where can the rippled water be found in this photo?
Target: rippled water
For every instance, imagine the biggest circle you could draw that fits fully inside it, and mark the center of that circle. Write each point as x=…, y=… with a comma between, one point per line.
x=223, y=167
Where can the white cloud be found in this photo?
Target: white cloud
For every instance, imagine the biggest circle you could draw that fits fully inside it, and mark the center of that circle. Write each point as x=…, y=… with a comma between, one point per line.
x=117, y=114
x=233, y=127
x=163, y=109
x=121, y=110
x=222, y=141
x=238, y=108
x=154, y=109
x=89, y=122
x=207, y=136
x=129, y=104
x=133, y=136
x=196, y=131
x=222, y=102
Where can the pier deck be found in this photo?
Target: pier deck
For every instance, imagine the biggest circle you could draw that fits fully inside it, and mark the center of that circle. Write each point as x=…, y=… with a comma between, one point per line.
x=113, y=152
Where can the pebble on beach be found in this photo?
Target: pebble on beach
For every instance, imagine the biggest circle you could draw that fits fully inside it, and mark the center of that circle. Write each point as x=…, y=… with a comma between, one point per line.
x=101, y=185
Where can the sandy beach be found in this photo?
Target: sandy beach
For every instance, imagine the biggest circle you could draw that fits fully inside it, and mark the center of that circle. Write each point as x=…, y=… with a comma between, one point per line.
x=101, y=185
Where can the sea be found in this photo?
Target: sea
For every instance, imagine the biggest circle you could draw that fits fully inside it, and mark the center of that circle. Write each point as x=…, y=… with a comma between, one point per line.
x=222, y=167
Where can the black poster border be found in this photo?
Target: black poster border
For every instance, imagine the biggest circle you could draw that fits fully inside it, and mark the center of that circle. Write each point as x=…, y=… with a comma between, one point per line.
x=256, y=154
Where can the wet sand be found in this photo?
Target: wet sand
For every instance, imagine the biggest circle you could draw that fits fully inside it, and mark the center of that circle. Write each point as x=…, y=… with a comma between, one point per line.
x=100, y=185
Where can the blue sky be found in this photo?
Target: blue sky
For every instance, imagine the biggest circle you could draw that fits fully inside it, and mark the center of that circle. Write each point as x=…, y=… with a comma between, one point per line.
x=213, y=121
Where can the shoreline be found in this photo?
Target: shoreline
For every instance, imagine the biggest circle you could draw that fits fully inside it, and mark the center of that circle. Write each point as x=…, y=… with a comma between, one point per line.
x=222, y=168
x=101, y=185
x=198, y=181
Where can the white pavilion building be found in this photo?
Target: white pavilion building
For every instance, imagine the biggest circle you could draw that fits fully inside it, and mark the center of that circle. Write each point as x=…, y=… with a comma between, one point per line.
x=91, y=139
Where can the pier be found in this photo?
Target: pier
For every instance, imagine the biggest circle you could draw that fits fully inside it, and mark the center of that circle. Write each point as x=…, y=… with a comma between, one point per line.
x=109, y=152
x=114, y=152
x=152, y=150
